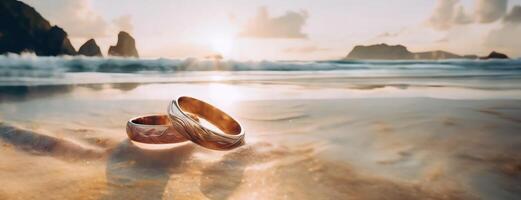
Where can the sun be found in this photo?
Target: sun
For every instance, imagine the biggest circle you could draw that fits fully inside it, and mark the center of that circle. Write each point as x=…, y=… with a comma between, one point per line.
x=222, y=44
x=217, y=38
x=220, y=38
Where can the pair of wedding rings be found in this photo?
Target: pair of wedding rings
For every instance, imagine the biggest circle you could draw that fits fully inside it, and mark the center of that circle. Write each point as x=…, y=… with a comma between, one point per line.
x=188, y=119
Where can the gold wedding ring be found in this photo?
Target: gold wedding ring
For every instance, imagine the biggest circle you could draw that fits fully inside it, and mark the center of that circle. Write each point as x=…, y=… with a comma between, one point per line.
x=187, y=115
x=153, y=129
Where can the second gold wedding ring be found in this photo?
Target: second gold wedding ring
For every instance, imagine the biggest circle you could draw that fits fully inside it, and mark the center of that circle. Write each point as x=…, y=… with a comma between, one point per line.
x=153, y=129
x=194, y=119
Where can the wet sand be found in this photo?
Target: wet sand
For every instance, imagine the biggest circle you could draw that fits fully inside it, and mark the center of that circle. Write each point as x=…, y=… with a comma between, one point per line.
x=302, y=143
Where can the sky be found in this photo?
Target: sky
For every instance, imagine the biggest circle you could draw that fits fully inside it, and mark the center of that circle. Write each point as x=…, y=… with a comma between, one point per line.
x=290, y=29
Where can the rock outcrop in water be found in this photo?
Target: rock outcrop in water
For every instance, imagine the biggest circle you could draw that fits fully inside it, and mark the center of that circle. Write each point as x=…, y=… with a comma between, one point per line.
x=380, y=51
x=90, y=48
x=24, y=29
x=495, y=55
x=125, y=47
x=398, y=52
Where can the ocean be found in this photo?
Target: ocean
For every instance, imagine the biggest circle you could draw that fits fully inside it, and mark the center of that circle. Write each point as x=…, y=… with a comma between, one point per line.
x=29, y=70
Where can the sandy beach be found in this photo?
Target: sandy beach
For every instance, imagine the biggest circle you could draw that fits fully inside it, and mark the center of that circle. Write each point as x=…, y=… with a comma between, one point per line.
x=305, y=140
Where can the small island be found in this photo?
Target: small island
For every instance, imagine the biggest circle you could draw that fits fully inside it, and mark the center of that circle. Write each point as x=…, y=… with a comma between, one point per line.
x=495, y=55
x=400, y=52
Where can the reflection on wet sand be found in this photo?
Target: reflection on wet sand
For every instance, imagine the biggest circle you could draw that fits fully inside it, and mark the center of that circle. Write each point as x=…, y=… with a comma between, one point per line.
x=220, y=179
x=17, y=93
x=265, y=171
x=259, y=170
x=135, y=173
x=28, y=92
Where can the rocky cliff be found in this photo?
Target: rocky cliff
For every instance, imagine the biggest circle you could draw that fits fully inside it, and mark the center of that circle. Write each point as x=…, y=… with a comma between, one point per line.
x=126, y=46
x=90, y=48
x=24, y=29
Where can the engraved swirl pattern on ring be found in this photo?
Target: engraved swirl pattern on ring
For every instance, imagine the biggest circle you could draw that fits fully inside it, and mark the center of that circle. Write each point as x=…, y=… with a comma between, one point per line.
x=153, y=134
x=200, y=135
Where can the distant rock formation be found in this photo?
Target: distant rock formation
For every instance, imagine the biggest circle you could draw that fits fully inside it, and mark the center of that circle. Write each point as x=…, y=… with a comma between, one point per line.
x=495, y=55
x=398, y=52
x=380, y=52
x=90, y=48
x=24, y=29
x=125, y=47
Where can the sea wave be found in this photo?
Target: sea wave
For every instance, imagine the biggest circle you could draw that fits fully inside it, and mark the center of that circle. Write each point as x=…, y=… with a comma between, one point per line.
x=30, y=65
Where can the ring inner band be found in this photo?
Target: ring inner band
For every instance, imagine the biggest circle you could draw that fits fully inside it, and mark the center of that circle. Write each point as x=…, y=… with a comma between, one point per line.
x=152, y=120
x=211, y=114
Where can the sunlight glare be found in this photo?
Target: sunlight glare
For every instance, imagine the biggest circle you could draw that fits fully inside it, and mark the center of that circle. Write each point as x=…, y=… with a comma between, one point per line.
x=219, y=38
x=221, y=44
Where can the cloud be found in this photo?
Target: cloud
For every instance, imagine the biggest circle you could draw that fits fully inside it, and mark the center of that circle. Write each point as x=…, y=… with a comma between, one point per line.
x=288, y=25
x=79, y=19
x=390, y=34
x=76, y=17
x=514, y=16
x=305, y=49
x=505, y=39
x=124, y=23
x=442, y=40
x=461, y=17
x=488, y=11
x=448, y=13
x=442, y=16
